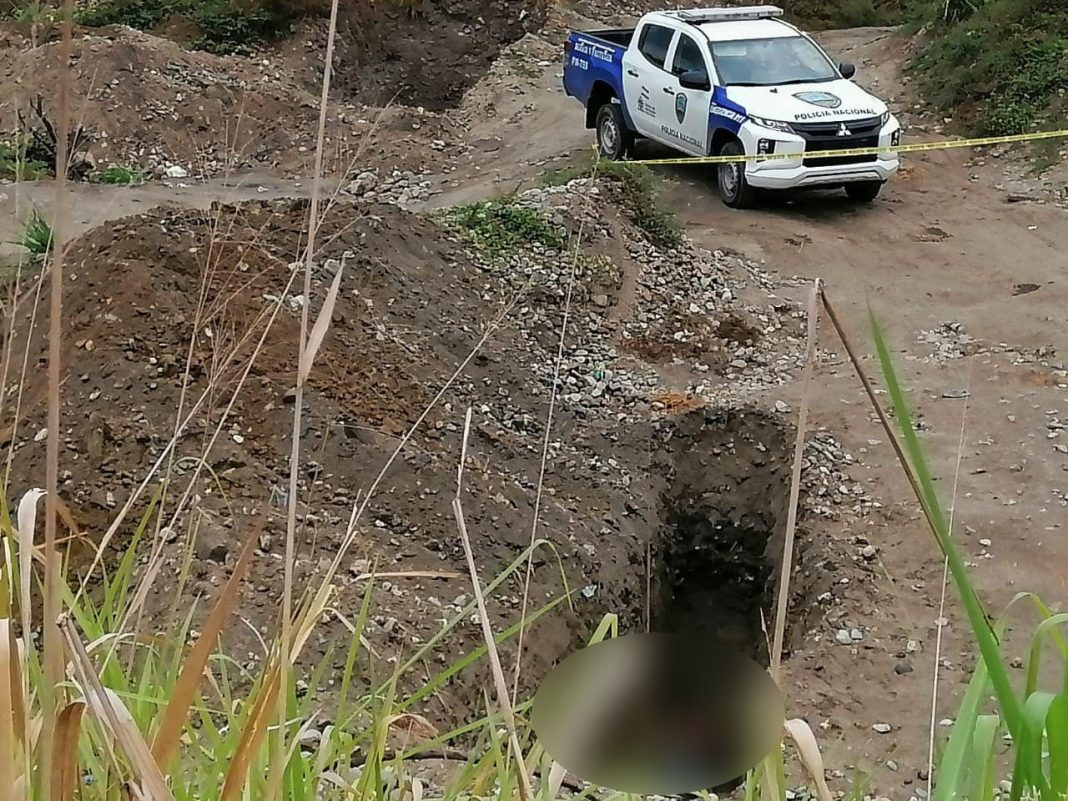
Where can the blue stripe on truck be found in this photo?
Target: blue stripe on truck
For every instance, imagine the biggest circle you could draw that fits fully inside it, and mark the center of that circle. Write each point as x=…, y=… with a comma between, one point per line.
x=724, y=113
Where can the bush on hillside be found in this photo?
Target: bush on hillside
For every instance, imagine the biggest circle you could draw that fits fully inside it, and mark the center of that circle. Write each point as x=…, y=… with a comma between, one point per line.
x=1002, y=66
x=225, y=26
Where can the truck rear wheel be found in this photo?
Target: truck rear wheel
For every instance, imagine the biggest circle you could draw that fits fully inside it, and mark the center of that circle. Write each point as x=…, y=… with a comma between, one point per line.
x=734, y=188
x=864, y=191
x=614, y=140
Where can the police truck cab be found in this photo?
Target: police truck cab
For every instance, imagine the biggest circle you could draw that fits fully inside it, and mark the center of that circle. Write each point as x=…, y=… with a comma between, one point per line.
x=733, y=82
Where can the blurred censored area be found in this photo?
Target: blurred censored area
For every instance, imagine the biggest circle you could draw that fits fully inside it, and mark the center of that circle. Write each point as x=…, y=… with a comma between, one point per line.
x=658, y=714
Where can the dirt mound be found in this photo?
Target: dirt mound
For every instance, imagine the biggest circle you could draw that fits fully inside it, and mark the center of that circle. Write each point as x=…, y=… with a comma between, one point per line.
x=414, y=301
x=150, y=103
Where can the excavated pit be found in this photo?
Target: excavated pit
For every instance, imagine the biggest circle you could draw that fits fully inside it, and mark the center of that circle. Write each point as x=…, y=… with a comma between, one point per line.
x=388, y=49
x=718, y=553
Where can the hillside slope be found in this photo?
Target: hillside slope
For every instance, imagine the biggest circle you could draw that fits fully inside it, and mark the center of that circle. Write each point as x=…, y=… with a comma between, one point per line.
x=1003, y=68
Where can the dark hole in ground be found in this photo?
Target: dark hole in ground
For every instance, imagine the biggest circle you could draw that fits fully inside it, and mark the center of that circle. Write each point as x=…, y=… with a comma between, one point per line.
x=715, y=576
x=718, y=553
x=389, y=48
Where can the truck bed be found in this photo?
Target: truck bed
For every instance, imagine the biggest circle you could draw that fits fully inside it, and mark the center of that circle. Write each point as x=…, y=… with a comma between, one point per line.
x=594, y=64
x=617, y=36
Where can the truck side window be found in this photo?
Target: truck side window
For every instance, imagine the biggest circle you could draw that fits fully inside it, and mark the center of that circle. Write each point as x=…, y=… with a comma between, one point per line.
x=688, y=57
x=654, y=43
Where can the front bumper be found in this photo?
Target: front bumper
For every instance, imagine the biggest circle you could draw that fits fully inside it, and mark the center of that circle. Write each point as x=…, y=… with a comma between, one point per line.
x=794, y=173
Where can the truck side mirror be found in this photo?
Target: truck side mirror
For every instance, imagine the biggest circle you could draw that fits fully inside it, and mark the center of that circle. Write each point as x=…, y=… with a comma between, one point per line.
x=847, y=70
x=695, y=79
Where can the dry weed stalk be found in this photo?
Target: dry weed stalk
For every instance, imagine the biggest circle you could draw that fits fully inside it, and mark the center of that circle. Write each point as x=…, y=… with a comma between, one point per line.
x=16, y=414
x=53, y=646
x=109, y=709
x=305, y=357
x=501, y=686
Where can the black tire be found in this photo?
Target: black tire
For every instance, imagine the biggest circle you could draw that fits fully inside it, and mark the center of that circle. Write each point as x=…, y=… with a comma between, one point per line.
x=614, y=140
x=734, y=188
x=864, y=191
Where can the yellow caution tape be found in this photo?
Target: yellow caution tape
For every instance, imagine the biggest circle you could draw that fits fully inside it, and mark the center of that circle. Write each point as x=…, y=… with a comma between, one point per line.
x=914, y=147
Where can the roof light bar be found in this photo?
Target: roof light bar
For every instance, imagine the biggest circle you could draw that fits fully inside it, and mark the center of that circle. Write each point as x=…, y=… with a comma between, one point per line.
x=702, y=15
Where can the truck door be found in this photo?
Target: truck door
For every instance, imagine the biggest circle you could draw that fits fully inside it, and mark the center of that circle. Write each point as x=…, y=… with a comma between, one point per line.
x=688, y=123
x=645, y=77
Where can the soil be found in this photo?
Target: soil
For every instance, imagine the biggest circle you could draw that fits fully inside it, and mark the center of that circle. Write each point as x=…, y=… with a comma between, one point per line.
x=149, y=103
x=389, y=49
x=401, y=325
x=648, y=486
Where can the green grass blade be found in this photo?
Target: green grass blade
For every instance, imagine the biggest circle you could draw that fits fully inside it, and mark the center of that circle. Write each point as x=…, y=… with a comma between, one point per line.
x=354, y=650
x=908, y=431
x=1044, y=629
x=116, y=595
x=953, y=765
x=440, y=679
x=980, y=623
x=982, y=757
x=774, y=776
x=607, y=628
x=1030, y=775
x=1046, y=613
x=1057, y=739
x=465, y=613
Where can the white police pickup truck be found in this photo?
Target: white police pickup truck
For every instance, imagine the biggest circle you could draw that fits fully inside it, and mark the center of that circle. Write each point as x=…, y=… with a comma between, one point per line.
x=733, y=81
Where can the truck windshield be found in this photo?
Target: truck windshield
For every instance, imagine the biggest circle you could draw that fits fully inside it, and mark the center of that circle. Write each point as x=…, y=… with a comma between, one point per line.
x=771, y=62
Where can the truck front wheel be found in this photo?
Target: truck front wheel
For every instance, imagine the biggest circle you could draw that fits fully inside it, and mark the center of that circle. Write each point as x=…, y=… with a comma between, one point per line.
x=613, y=139
x=734, y=188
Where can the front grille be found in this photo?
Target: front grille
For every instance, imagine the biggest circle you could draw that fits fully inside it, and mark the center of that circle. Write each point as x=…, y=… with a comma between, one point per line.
x=820, y=130
x=840, y=143
x=820, y=136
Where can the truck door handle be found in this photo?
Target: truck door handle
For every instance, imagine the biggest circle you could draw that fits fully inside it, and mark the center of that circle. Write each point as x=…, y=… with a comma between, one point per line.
x=632, y=73
x=669, y=90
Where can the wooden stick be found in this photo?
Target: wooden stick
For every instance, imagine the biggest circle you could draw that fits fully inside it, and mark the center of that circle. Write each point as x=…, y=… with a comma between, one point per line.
x=795, y=482
x=525, y=786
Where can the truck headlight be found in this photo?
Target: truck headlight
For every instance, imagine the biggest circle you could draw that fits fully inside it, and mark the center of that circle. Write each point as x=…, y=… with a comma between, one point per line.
x=775, y=125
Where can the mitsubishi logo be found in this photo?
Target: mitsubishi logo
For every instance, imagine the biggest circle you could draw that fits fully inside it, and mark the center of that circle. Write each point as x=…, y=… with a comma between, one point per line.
x=843, y=130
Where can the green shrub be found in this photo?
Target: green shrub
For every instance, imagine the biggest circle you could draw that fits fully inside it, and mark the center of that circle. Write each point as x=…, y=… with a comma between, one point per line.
x=36, y=236
x=1001, y=67
x=118, y=175
x=16, y=164
x=497, y=227
x=225, y=26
